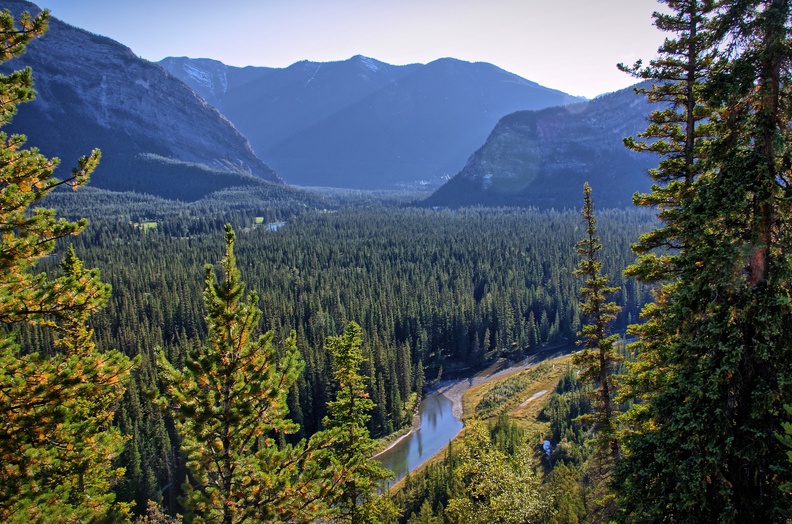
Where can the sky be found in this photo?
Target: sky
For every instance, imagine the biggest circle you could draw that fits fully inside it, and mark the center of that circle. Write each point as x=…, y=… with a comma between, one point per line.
x=571, y=45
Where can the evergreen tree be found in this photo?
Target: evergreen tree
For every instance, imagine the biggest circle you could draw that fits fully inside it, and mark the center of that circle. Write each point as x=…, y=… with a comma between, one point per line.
x=597, y=358
x=679, y=131
x=56, y=401
x=568, y=496
x=705, y=446
x=230, y=406
x=359, y=476
x=425, y=515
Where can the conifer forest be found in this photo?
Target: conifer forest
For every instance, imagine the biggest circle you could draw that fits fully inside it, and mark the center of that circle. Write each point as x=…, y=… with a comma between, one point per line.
x=244, y=357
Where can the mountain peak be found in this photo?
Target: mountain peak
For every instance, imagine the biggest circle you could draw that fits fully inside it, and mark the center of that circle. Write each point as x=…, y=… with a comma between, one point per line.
x=363, y=123
x=95, y=92
x=370, y=63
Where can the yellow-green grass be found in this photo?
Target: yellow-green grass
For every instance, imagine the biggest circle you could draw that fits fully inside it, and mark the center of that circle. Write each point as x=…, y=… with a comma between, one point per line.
x=520, y=407
x=524, y=384
x=145, y=226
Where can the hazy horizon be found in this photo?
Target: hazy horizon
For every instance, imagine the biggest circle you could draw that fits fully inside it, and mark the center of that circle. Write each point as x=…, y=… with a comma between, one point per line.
x=570, y=45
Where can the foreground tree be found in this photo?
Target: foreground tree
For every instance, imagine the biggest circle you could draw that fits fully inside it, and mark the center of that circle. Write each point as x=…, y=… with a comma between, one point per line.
x=598, y=357
x=56, y=403
x=597, y=361
x=704, y=445
x=679, y=131
x=495, y=487
x=358, y=476
x=229, y=403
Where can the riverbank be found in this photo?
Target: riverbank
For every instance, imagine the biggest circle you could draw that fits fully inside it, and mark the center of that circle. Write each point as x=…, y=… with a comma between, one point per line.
x=454, y=390
x=394, y=438
x=463, y=395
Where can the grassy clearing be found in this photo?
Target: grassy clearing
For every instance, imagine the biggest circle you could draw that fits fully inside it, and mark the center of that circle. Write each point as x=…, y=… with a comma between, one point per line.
x=507, y=393
x=522, y=405
x=521, y=394
x=145, y=226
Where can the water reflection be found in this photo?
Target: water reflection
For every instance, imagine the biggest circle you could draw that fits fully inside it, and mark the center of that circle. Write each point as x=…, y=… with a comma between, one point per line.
x=438, y=427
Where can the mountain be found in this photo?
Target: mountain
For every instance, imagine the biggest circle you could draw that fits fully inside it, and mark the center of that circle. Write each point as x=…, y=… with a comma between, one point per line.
x=362, y=123
x=156, y=135
x=542, y=158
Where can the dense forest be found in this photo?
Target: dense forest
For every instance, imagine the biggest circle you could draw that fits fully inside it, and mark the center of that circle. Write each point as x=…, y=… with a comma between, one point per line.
x=138, y=382
x=434, y=291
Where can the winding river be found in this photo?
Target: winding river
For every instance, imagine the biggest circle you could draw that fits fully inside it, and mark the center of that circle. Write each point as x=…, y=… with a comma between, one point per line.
x=438, y=427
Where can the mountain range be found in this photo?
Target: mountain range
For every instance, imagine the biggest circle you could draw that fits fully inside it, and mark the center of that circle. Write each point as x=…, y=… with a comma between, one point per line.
x=156, y=135
x=361, y=123
x=180, y=129
x=542, y=158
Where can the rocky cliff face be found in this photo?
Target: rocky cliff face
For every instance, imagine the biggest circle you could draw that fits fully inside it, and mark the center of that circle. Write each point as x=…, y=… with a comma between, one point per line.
x=362, y=123
x=542, y=158
x=94, y=92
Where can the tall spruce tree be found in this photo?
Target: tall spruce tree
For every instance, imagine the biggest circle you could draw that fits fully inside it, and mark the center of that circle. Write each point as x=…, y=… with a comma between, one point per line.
x=358, y=475
x=598, y=357
x=679, y=131
x=230, y=406
x=56, y=403
x=716, y=369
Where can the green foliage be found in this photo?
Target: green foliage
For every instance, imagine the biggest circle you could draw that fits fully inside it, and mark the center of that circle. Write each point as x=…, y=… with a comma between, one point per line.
x=352, y=498
x=567, y=410
x=568, y=496
x=424, y=495
x=494, y=487
x=786, y=440
x=598, y=357
x=715, y=355
x=495, y=401
x=432, y=291
x=425, y=515
x=58, y=395
x=229, y=404
x=427, y=490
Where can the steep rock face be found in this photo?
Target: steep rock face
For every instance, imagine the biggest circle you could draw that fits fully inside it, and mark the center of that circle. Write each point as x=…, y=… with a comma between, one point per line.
x=212, y=79
x=362, y=123
x=542, y=158
x=94, y=92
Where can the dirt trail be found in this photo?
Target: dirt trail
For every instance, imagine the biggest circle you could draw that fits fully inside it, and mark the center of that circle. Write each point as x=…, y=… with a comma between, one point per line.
x=534, y=397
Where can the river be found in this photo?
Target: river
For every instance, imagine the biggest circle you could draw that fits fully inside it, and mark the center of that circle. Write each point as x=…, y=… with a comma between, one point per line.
x=440, y=421
x=438, y=427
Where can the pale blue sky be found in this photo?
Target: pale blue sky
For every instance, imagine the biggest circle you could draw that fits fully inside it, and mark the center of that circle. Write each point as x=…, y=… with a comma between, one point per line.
x=571, y=45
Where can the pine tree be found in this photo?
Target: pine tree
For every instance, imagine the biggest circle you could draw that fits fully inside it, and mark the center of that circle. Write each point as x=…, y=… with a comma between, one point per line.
x=597, y=358
x=679, y=131
x=705, y=446
x=359, y=476
x=56, y=403
x=230, y=406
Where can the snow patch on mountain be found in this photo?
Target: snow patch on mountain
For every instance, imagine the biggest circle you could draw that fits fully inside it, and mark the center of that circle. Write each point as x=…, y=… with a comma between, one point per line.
x=369, y=63
x=215, y=82
x=199, y=75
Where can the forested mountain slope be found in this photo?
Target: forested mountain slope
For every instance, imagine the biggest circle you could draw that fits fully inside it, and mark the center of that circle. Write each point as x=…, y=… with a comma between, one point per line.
x=361, y=123
x=155, y=134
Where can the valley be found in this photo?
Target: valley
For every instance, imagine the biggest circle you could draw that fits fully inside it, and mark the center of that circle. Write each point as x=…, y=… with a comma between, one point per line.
x=435, y=291
x=236, y=290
